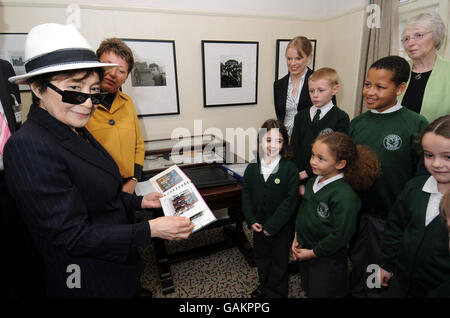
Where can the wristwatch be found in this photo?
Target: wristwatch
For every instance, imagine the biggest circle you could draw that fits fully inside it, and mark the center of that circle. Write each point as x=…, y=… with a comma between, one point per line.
x=134, y=178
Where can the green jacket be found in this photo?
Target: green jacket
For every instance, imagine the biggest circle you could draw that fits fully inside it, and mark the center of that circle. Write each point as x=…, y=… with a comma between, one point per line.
x=436, y=98
x=326, y=220
x=272, y=203
x=418, y=254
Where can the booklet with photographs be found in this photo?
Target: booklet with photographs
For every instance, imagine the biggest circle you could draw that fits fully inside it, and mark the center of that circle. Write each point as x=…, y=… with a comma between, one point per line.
x=181, y=197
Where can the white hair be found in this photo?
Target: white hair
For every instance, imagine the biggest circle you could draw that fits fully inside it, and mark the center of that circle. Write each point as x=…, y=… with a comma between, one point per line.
x=431, y=21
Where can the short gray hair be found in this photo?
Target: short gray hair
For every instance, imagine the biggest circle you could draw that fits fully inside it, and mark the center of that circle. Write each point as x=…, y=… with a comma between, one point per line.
x=431, y=21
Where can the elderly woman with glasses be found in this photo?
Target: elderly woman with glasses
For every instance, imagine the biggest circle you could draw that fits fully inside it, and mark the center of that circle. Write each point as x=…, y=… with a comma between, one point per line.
x=429, y=83
x=67, y=187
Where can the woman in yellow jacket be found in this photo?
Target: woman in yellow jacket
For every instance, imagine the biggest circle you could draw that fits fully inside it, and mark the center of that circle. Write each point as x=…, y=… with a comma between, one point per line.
x=114, y=123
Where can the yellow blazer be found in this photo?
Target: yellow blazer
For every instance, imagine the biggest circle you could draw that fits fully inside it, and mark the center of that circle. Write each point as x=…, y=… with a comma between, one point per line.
x=118, y=131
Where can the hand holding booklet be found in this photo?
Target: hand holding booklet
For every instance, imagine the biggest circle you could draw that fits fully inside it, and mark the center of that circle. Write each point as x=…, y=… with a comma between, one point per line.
x=181, y=197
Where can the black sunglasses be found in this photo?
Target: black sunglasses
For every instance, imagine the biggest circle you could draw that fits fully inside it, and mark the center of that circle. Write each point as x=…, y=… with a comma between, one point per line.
x=73, y=97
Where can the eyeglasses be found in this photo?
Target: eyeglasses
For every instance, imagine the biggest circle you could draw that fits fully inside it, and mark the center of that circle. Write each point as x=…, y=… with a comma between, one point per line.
x=73, y=97
x=415, y=37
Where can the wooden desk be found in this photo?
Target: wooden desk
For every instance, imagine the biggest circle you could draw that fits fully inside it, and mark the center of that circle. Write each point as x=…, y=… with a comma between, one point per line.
x=217, y=197
x=221, y=197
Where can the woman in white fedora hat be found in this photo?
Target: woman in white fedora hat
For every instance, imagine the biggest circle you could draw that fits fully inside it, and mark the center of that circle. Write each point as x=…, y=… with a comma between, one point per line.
x=67, y=187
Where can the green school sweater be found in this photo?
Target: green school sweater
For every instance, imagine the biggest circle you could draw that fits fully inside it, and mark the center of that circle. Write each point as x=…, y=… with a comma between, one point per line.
x=326, y=220
x=272, y=203
x=394, y=137
x=418, y=254
x=305, y=132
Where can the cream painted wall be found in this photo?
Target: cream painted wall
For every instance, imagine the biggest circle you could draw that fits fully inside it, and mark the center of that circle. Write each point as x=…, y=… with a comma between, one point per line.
x=342, y=51
x=338, y=47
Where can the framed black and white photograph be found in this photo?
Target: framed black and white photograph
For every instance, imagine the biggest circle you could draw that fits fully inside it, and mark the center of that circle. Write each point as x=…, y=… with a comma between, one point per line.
x=12, y=49
x=281, y=69
x=230, y=73
x=153, y=82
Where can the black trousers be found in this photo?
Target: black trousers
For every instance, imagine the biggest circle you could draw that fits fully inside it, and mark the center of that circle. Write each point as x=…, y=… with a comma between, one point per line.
x=22, y=268
x=366, y=250
x=396, y=289
x=325, y=277
x=271, y=255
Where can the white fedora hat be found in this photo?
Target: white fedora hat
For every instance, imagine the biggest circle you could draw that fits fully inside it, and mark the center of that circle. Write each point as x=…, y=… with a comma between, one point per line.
x=52, y=47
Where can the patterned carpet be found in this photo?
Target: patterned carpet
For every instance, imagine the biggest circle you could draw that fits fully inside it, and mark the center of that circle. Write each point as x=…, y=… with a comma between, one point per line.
x=222, y=274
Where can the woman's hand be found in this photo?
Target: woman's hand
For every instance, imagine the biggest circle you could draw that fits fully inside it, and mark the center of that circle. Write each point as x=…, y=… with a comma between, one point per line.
x=171, y=227
x=129, y=186
x=151, y=200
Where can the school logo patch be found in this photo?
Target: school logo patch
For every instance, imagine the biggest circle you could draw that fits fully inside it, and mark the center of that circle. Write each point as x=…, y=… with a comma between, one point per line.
x=326, y=131
x=323, y=210
x=392, y=142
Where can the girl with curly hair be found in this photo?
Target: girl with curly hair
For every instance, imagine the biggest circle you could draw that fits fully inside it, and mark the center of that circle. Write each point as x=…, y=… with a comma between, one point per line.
x=326, y=219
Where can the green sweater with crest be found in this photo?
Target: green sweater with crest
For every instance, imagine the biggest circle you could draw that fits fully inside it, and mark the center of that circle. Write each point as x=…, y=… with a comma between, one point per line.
x=326, y=220
x=417, y=253
x=394, y=137
x=272, y=203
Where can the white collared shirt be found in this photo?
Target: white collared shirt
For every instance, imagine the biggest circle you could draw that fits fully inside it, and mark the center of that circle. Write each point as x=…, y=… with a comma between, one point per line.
x=392, y=109
x=267, y=169
x=292, y=104
x=323, y=110
x=431, y=187
x=317, y=186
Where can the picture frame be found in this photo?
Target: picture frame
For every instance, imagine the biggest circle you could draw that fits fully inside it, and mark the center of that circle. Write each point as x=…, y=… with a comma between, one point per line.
x=12, y=49
x=230, y=73
x=281, y=69
x=153, y=82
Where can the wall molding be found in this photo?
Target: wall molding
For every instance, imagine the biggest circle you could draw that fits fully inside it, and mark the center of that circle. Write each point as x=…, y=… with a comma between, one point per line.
x=132, y=8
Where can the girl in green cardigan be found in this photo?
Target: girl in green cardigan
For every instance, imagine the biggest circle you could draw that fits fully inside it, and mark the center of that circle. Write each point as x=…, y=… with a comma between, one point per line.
x=269, y=201
x=326, y=219
x=415, y=249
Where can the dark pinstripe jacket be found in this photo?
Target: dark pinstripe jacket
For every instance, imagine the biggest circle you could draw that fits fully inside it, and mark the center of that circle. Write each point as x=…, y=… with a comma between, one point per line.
x=69, y=194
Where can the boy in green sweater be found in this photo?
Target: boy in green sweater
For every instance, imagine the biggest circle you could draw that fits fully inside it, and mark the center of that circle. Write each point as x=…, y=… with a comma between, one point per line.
x=392, y=132
x=323, y=115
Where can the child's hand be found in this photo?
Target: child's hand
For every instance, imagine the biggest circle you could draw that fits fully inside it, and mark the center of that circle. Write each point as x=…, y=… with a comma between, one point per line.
x=305, y=254
x=384, y=277
x=303, y=175
x=296, y=247
x=257, y=227
x=301, y=190
x=266, y=233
